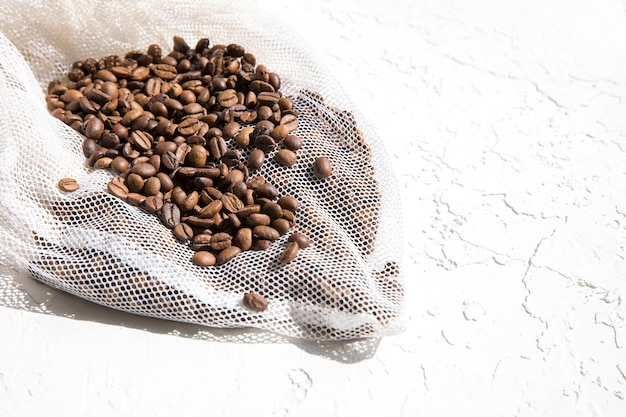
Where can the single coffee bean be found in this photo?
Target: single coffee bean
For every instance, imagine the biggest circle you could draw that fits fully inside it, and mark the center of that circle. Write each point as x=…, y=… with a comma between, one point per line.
x=290, y=253
x=120, y=165
x=183, y=232
x=197, y=156
x=301, y=239
x=231, y=202
x=94, y=128
x=152, y=186
x=141, y=140
x=292, y=142
x=68, y=185
x=203, y=258
x=265, y=142
x=256, y=159
x=227, y=254
x=170, y=215
x=153, y=204
x=255, y=302
x=144, y=169
x=103, y=163
x=135, y=199
x=242, y=140
x=117, y=188
x=256, y=219
x=265, y=232
x=231, y=129
x=265, y=191
x=288, y=202
x=243, y=238
x=227, y=98
x=322, y=167
x=273, y=210
x=261, y=244
x=220, y=241
x=281, y=225
x=285, y=157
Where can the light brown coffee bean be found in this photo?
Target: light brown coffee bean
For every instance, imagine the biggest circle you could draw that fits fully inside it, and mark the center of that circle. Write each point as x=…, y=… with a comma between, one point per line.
x=197, y=157
x=288, y=202
x=134, y=182
x=265, y=232
x=255, y=302
x=221, y=241
x=68, y=185
x=292, y=142
x=322, y=167
x=290, y=253
x=203, y=258
x=94, y=128
x=281, y=225
x=183, y=232
x=117, y=188
x=285, y=157
x=153, y=204
x=243, y=238
x=256, y=219
x=227, y=254
x=152, y=186
x=135, y=199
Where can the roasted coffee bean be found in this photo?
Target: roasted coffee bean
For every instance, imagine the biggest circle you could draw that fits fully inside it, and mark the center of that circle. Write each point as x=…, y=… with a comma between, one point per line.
x=103, y=163
x=281, y=225
x=183, y=232
x=220, y=241
x=301, y=239
x=141, y=140
x=68, y=185
x=261, y=244
x=135, y=199
x=134, y=182
x=256, y=219
x=290, y=253
x=227, y=254
x=288, y=202
x=94, y=128
x=265, y=142
x=227, y=98
x=198, y=156
x=256, y=159
x=274, y=210
x=231, y=202
x=153, y=204
x=203, y=258
x=190, y=126
x=292, y=142
x=322, y=167
x=231, y=129
x=169, y=161
x=152, y=186
x=265, y=232
x=231, y=158
x=164, y=71
x=243, y=238
x=259, y=130
x=255, y=302
x=117, y=188
x=120, y=165
x=285, y=157
x=265, y=191
x=166, y=182
x=145, y=170
x=170, y=215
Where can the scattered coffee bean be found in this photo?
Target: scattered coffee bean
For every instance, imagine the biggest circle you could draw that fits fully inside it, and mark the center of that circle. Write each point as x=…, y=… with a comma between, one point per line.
x=68, y=185
x=322, y=167
x=301, y=239
x=203, y=258
x=255, y=302
x=290, y=253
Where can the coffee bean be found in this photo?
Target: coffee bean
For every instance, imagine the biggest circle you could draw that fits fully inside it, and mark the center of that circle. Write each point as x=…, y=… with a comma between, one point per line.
x=256, y=159
x=145, y=170
x=243, y=238
x=120, y=165
x=265, y=232
x=135, y=199
x=227, y=254
x=288, y=202
x=285, y=157
x=220, y=241
x=153, y=204
x=322, y=167
x=290, y=253
x=152, y=186
x=299, y=238
x=261, y=244
x=170, y=215
x=164, y=71
x=198, y=156
x=292, y=142
x=227, y=98
x=265, y=142
x=265, y=191
x=203, y=258
x=255, y=302
x=94, y=128
x=117, y=188
x=281, y=225
x=68, y=185
x=256, y=219
x=273, y=210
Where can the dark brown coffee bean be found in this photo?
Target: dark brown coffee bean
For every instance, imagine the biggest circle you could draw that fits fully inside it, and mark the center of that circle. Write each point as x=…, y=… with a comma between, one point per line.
x=134, y=182
x=261, y=244
x=285, y=157
x=265, y=191
x=94, y=128
x=190, y=126
x=142, y=141
x=265, y=142
x=290, y=253
x=164, y=71
x=301, y=239
x=68, y=185
x=217, y=147
x=255, y=302
x=166, y=182
x=231, y=129
x=231, y=158
x=231, y=202
x=288, y=202
x=169, y=161
x=256, y=159
x=153, y=204
x=322, y=167
x=203, y=258
x=280, y=132
x=265, y=232
x=170, y=215
x=274, y=210
x=292, y=142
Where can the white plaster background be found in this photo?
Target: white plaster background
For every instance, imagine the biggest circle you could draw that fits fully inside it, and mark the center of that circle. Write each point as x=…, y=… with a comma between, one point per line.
x=505, y=124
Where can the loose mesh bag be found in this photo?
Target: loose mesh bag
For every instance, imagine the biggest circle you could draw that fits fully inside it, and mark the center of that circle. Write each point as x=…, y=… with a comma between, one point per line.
x=347, y=284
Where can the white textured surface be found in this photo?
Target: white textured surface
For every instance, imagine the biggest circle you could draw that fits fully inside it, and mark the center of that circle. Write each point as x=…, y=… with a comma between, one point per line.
x=505, y=121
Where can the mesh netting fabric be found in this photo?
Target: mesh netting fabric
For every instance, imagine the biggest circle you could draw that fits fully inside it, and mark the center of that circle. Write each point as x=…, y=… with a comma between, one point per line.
x=347, y=284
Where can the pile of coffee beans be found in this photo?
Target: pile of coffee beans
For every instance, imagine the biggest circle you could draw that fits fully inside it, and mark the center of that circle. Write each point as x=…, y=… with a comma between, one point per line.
x=185, y=133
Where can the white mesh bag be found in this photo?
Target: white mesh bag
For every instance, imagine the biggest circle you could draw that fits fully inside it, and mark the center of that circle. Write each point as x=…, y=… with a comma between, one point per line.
x=347, y=284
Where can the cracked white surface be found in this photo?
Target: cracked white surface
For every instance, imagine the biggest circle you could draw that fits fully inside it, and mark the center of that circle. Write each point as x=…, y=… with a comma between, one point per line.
x=505, y=123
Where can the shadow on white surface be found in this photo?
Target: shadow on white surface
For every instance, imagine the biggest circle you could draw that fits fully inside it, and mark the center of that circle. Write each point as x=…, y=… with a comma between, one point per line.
x=20, y=291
